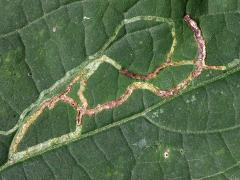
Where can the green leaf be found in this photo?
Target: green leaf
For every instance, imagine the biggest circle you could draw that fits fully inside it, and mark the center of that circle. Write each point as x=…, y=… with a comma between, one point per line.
x=45, y=45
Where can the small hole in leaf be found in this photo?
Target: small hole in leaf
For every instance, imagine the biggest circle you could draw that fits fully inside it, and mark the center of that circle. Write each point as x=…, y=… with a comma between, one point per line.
x=29, y=74
x=166, y=154
x=181, y=151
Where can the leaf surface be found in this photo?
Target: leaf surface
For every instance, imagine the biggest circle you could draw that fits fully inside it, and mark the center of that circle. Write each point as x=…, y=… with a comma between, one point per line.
x=44, y=45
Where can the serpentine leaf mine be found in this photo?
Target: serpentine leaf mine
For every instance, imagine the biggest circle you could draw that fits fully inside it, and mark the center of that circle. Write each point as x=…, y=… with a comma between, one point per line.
x=82, y=77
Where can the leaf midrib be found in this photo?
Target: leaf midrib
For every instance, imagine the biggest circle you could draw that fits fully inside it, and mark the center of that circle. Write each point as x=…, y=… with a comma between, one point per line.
x=132, y=117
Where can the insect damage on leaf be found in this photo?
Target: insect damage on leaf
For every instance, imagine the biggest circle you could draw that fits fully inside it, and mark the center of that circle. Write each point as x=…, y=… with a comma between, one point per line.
x=83, y=109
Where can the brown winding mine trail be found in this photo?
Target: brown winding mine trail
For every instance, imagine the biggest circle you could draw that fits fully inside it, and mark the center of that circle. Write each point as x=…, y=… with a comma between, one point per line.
x=83, y=110
x=199, y=67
